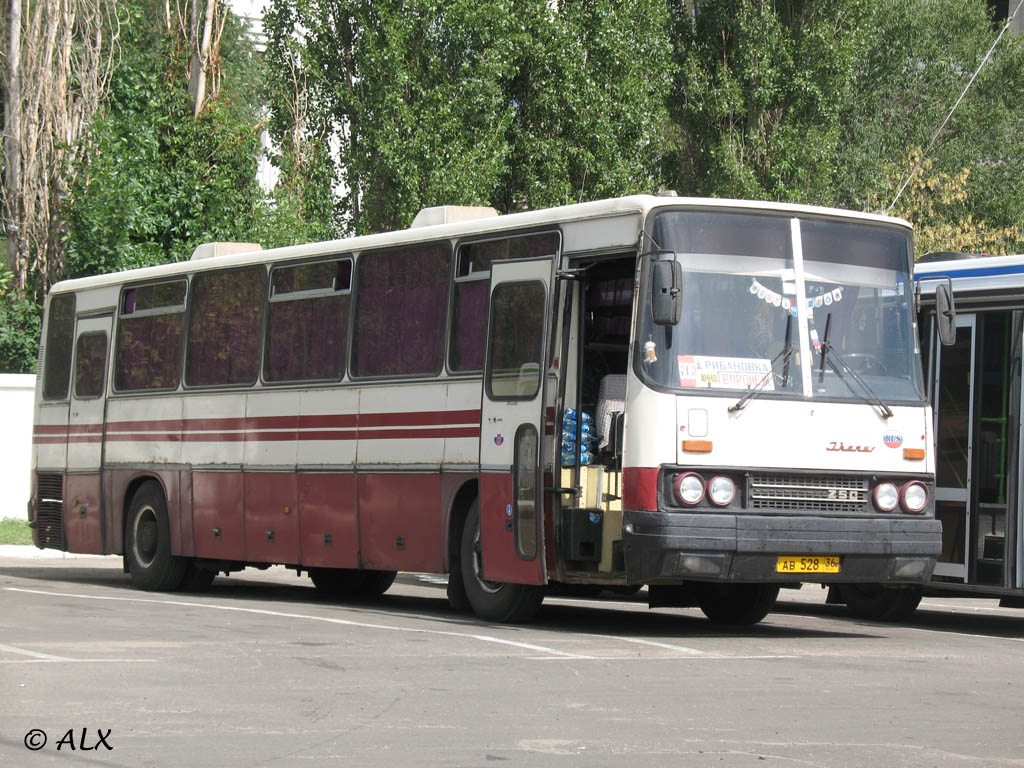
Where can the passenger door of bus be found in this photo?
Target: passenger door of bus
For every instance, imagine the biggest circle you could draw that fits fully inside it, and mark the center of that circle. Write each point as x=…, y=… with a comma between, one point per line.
x=82, y=517
x=512, y=422
x=954, y=432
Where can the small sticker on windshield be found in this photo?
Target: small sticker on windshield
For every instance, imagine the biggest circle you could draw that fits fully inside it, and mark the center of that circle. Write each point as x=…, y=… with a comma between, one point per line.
x=701, y=372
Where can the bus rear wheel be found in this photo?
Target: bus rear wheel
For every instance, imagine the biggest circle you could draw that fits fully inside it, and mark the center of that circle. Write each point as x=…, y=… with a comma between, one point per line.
x=148, y=542
x=491, y=600
x=735, y=605
x=874, y=602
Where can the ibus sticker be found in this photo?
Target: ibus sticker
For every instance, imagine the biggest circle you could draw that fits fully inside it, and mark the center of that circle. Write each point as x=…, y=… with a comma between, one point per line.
x=892, y=439
x=498, y=439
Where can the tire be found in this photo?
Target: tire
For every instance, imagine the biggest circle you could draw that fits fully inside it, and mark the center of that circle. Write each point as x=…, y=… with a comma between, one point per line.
x=338, y=583
x=378, y=582
x=873, y=602
x=197, y=579
x=456, y=590
x=493, y=601
x=147, y=542
x=735, y=605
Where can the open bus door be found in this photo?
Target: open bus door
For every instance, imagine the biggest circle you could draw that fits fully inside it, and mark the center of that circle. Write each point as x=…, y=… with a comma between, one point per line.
x=512, y=422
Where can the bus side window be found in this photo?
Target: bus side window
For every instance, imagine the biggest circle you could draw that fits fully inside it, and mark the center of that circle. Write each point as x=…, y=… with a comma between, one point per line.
x=59, y=335
x=307, y=327
x=402, y=300
x=90, y=364
x=225, y=327
x=150, y=329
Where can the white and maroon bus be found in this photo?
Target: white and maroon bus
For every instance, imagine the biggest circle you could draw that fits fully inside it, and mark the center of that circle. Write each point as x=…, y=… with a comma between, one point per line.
x=709, y=397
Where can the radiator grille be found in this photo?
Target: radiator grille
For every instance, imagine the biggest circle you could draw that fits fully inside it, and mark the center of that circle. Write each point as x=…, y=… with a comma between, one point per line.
x=50, y=510
x=807, y=493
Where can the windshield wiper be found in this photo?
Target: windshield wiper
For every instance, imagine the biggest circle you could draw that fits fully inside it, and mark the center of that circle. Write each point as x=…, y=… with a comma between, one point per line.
x=835, y=362
x=785, y=355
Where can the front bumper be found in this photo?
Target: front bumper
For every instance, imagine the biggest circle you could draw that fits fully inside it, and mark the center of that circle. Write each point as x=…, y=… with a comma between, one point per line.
x=669, y=547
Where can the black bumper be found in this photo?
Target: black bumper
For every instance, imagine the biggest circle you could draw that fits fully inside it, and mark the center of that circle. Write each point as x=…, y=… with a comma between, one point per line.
x=669, y=547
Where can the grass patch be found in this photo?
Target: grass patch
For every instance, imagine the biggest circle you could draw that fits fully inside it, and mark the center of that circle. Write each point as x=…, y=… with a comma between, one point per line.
x=15, y=531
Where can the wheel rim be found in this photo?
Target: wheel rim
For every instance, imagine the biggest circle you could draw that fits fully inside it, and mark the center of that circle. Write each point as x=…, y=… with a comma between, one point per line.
x=146, y=539
x=489, y=587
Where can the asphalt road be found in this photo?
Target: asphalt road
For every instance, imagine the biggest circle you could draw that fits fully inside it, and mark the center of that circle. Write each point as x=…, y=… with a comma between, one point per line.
x=259, y=671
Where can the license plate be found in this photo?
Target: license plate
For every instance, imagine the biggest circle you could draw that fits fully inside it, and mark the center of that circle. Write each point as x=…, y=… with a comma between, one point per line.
x=807, y=564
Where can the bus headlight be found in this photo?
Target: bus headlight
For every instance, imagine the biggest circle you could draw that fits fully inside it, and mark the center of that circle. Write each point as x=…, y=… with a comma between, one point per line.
x=886, y=497
x=721, y=491
x=688, y=489
x=913, y=497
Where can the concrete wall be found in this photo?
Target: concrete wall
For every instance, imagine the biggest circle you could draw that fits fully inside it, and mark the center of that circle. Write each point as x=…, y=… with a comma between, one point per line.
x=16, y=399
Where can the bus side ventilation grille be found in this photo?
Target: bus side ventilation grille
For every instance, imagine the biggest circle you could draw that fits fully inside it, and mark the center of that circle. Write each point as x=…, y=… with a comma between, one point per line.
x=50, y=510
x=807, y=493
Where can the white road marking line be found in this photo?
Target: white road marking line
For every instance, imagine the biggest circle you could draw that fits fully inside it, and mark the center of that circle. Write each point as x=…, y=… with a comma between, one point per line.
x=73, y=661
x=702, y=657
x=48, y=658
x=308, y=617
x=35, y=654
x=668, y=646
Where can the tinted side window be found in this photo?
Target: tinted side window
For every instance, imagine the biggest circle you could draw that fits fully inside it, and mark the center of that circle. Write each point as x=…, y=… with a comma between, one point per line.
x=59, y=334
x=307, y=328
x=150, y=328
x=469, y=314
x=403, y=298
x=225, y=327
x=90, y=364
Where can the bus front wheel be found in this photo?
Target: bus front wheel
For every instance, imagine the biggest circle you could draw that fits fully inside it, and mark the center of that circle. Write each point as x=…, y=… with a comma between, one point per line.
x=148, y=542
x=491, y=600
x=735, y=604
x=874, y=602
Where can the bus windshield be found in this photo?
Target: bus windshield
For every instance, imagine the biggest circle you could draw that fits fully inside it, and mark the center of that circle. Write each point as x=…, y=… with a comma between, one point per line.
x=745, y=279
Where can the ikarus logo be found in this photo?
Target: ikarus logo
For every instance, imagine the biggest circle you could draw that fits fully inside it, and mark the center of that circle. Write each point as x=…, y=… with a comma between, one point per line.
x=892, y=439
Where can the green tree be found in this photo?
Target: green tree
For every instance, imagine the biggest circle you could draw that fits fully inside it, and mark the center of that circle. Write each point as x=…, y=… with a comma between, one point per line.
x=758, y=96
x=914, y=65
x=514, y=104
x=589, y=97
x=19, y=328
x=154, y=180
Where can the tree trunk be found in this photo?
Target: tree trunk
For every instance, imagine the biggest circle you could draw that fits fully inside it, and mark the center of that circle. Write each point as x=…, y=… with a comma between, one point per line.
x=201, y=57
x=12, y=134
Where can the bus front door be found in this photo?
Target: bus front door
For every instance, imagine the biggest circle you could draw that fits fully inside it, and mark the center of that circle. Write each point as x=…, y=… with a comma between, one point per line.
x=512, y=422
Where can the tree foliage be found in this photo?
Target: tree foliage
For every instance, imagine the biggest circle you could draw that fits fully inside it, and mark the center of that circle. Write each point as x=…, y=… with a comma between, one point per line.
x=831, y=101
x=516, y=104
x=917, y=61
x=758, y=96
x=155, y=180
x=19, y=328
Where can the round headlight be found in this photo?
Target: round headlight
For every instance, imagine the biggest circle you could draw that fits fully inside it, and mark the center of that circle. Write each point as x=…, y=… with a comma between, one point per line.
x=886, y=497
x=913, y=497
x=721, y=491
x=689, y=488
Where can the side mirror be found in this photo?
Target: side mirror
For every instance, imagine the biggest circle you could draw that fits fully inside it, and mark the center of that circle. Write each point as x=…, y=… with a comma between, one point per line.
x=667, y=292
x=945, y=314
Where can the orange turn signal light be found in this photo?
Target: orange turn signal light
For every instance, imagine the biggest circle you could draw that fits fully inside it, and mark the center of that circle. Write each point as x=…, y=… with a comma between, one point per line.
x=697, y=446
x=913, y=454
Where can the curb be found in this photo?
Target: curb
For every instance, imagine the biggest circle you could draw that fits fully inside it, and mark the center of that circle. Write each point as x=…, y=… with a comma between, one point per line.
x=31, y=552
